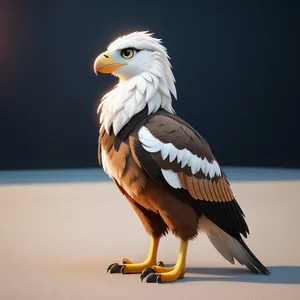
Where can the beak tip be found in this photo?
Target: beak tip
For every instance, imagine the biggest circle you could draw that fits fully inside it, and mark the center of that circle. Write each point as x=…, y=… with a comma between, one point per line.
x=95, y=70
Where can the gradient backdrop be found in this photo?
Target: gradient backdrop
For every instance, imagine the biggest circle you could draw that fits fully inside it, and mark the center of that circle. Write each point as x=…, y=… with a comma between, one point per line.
x=235, y=62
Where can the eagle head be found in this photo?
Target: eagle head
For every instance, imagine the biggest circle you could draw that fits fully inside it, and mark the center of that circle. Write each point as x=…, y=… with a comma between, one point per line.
x=142, y=65
x=134, y=54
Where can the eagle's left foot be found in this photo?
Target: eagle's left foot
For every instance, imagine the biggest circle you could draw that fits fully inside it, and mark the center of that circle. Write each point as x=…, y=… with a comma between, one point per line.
x=161, y=274
x=167, y=274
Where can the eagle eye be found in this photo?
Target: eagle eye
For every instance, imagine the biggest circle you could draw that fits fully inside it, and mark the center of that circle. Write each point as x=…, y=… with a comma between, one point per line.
x=127, y=53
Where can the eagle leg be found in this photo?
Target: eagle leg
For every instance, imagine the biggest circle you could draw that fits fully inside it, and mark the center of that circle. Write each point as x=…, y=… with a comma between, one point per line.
x=127, y=267
x=162, y=274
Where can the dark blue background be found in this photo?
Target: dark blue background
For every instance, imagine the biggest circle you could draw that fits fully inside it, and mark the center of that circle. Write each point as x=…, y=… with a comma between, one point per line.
x=236, y=65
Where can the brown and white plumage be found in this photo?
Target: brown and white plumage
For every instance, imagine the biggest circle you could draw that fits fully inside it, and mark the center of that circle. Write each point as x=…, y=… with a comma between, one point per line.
x=159, y=162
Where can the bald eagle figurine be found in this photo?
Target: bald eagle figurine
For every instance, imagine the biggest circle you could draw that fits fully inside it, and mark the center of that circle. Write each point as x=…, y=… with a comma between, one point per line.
x=161, y=164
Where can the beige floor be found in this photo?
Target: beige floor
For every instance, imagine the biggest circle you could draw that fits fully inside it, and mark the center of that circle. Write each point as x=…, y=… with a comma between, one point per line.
x=57, y=239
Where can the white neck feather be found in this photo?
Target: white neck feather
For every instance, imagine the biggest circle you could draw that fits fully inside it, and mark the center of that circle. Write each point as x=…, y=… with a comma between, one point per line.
x=129, y=97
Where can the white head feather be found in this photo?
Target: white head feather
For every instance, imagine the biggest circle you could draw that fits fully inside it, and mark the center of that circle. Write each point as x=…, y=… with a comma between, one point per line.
x=146, y=79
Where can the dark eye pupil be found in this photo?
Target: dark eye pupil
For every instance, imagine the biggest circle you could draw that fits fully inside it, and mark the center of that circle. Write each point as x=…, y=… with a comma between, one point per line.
x=126, y=52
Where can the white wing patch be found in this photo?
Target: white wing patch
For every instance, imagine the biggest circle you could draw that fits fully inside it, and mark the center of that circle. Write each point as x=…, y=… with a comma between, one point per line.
x=151, y=144
x=171, y=178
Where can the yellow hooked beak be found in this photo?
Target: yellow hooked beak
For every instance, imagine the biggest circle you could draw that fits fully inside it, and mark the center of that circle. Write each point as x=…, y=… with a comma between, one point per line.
x=104, y=63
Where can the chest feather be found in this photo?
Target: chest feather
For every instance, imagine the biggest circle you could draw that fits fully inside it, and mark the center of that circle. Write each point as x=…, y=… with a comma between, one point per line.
x=114, y=159
x=119, y=164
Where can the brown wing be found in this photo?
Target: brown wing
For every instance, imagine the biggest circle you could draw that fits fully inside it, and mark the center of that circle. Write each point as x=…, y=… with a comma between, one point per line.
x=176, y=156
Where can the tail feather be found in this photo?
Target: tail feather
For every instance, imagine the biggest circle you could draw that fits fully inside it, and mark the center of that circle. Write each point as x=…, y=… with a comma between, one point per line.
x=222, y=247
x=232, y=249
x=252, y=258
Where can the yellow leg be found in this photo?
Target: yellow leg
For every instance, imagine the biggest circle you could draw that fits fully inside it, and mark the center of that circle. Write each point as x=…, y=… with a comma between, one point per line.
x=162, y=274
x=128, y=267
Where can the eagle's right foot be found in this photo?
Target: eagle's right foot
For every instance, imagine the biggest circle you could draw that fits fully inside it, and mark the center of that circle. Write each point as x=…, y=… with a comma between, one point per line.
x=115, y=268
x=127, y=267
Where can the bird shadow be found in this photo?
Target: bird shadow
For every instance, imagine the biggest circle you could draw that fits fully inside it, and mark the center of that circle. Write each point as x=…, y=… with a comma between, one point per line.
x=279, y=275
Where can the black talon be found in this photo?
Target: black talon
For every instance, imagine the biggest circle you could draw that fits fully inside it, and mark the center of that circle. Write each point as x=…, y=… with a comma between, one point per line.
x=146, y=272
x=109, y=267
x=161, y=264
x=153, y=278
x=115, y=268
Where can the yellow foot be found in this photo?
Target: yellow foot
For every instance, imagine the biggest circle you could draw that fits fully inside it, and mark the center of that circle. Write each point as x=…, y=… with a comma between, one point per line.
x=162, y=274
x=128, y=267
